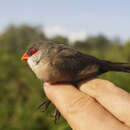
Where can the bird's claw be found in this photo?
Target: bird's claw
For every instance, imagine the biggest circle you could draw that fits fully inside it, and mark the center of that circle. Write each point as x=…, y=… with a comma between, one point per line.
x=56, y=115
x=45, y=105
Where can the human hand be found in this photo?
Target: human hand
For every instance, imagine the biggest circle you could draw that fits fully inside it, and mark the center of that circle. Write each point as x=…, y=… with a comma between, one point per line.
x=99, y=105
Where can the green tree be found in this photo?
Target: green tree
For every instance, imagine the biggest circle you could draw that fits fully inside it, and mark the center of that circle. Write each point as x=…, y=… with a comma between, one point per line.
x=127, y=51
x=60, y=40
x=15, y=38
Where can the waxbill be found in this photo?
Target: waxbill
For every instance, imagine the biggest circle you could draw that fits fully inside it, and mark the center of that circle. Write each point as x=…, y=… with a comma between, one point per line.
x=57, y=63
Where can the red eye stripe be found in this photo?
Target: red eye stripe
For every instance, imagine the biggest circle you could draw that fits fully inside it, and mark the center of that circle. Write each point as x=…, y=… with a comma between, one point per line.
x=31, y=52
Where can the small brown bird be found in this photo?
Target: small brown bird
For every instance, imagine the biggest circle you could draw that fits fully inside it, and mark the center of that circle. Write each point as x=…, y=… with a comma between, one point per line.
x=57, y=63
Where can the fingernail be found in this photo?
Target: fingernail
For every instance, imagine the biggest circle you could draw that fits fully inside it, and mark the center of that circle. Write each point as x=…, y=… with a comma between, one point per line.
x=46, y=85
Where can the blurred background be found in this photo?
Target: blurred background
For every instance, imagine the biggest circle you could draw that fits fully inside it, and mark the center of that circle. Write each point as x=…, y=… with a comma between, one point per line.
x=100, y=28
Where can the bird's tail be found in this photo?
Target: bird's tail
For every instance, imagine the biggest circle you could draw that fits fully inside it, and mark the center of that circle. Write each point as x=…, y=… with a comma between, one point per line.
x=115, y=66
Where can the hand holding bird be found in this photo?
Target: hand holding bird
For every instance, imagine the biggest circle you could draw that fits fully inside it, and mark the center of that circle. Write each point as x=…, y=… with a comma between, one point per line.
x=57, y=63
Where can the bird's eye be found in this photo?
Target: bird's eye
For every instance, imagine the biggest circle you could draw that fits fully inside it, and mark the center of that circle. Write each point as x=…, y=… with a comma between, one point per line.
x=31, y=52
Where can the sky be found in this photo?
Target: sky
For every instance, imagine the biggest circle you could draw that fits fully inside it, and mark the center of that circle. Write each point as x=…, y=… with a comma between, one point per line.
x=76, y=19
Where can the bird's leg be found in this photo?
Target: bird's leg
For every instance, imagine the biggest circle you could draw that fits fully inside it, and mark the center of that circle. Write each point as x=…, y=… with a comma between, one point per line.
x=45, y=105
x=56, y=115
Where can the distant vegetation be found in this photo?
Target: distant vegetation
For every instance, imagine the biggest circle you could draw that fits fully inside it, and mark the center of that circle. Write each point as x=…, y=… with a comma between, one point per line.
x=21, y=92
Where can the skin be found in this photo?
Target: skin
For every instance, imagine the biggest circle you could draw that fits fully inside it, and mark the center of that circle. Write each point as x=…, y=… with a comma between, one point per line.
x=97, y=105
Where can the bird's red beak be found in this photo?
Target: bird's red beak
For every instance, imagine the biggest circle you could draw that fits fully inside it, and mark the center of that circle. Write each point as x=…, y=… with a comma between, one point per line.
x=24, y=57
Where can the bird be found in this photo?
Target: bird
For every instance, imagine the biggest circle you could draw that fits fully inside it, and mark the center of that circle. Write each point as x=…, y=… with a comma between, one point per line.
x=59, y=63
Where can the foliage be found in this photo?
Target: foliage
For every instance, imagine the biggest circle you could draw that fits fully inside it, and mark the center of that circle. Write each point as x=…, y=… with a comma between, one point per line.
x=60, y=40
x=21, y=92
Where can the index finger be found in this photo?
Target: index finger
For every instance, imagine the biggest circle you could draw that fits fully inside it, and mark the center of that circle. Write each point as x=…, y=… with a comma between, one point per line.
x=114, y=99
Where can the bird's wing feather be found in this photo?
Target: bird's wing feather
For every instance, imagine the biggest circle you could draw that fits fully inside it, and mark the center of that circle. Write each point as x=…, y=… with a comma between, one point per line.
x=73, y=62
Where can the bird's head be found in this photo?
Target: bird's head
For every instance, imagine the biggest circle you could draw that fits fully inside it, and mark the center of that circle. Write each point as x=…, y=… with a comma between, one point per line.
x=37, y=56
x=33, y=52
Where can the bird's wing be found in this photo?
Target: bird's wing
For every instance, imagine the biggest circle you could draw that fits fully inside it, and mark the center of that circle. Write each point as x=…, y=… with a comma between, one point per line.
x=73, y=62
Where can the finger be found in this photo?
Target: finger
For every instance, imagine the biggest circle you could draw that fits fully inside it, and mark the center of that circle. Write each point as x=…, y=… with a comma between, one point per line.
x=114, y=99
x=80, y=110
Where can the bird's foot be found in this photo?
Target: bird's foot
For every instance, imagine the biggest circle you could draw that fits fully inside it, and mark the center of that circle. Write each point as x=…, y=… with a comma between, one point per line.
x=45, y=105
x=56, y=115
